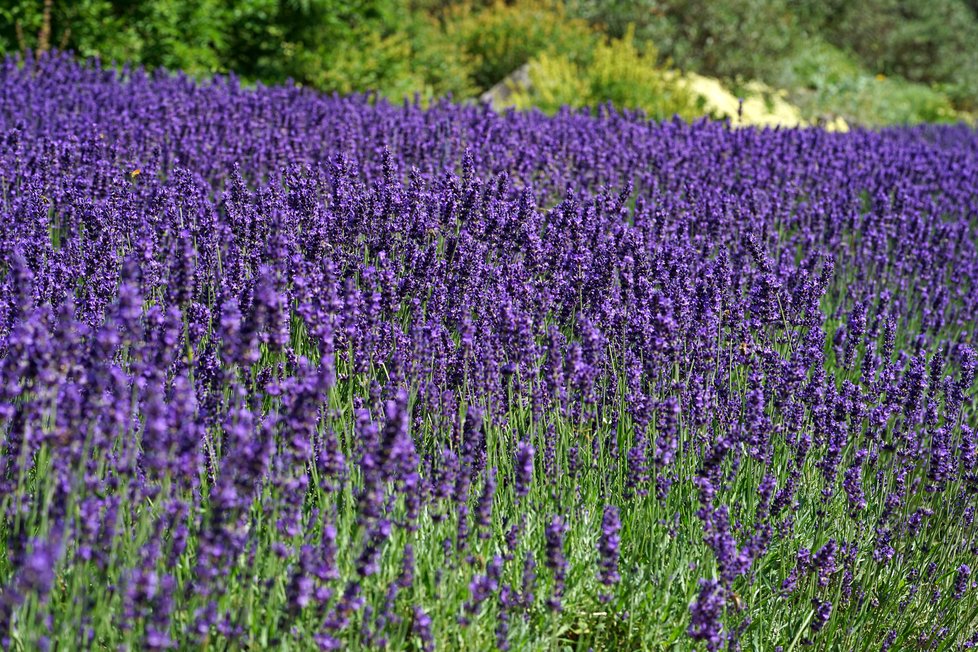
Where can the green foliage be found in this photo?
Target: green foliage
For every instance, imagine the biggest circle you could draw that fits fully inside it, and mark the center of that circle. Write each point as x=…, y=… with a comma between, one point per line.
x=829, y=82
x=929, y=42
x=555, y=81
x=269, y=40
x=441, y=62
x=617, y=73
x=273, y=40
x=838, y=46
x=387, y=69
x=890, y=101
x=732, y=38
x=173, y=34
x=499, y=39
x=396, y=66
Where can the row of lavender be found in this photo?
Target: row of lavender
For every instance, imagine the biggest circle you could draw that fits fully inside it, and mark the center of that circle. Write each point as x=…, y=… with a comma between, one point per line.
x=284, y=370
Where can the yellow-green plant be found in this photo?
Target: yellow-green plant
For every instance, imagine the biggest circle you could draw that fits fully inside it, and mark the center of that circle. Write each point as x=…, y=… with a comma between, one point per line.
x=555, y=82
x=615, y=72
x=379, y=63
x=418, y=60
x=620, y=74
x=500, y=38
x=440, y=61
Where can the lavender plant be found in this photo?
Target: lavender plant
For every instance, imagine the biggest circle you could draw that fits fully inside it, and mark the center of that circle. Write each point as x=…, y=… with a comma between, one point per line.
x=282, y=370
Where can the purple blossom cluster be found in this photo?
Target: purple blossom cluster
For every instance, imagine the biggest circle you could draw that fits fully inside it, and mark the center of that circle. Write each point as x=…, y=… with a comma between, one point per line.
x=278, y=366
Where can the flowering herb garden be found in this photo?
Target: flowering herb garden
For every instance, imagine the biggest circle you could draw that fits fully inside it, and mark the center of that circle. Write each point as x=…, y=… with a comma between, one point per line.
x=282, y=370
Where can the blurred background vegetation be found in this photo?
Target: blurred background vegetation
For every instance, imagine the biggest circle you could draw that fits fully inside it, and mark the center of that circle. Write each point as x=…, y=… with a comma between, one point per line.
x=870, y=62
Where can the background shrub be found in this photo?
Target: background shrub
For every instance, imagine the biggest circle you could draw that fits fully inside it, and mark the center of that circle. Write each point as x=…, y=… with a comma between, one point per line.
x=615, y=72
x=929, y=42
x=732, y=38
x=502, y=37
x=828, y=81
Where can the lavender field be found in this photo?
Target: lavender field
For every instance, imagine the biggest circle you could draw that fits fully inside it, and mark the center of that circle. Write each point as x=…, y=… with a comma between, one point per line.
x=280, y=370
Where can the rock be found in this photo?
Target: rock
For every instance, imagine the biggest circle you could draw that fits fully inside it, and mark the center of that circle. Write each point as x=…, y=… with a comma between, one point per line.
x=499, y=96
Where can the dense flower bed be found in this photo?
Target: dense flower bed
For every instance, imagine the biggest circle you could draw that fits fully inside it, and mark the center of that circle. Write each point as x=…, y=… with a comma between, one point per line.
x=285, y=370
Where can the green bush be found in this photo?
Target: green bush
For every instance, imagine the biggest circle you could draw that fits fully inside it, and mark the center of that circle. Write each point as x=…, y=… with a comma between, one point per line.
x=620, y=74
x=828, y=82
x=835, y=47
x=441, y=62
x=419, y=59
x=380, y=63
x=555, y=81
x=172, y=33
x=929, y=42
x=616, y=72
x=269, y=40
x=728, y=38
x=502, y=37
